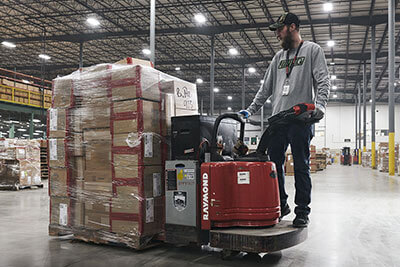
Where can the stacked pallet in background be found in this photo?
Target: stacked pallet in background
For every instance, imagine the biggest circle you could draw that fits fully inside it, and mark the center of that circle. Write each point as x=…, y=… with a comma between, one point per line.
x=366, y=160
x=313, y=159
x=108, y=131
x=19, y=163
x=289, y=165
x=320, y=159
x=383, y=156
x=23, y=93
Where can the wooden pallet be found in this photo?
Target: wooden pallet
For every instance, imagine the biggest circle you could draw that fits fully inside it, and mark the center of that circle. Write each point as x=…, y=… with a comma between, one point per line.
x=17, y=187
x=113, y=239
x=58, y=230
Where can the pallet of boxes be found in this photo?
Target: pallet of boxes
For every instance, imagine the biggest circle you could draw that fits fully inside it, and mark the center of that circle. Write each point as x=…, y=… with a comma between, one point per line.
x=107, y=148
x=313, y=159
x=321, y=159
x=383, y=156
x=19, y=164
x=22, y=93
x=366, y=159
x=289, y=165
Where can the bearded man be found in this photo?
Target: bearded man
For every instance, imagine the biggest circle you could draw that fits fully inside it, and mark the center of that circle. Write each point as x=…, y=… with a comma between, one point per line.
x=298, y=74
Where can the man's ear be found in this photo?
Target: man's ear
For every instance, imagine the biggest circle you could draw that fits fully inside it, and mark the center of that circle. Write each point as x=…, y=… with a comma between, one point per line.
x=292, y=27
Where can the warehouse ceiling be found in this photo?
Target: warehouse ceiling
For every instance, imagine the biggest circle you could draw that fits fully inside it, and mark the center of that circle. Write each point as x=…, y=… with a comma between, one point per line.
x=58, y=28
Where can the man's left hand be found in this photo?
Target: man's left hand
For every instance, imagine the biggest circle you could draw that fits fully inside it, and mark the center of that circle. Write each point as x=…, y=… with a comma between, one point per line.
x=318, y=113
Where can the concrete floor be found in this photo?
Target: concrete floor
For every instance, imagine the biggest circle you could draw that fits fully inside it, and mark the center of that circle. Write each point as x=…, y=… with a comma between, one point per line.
x=355, y=221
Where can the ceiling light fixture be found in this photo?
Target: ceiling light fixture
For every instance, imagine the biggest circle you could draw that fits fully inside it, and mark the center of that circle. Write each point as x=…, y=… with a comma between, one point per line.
x=328, y=7
x=251, y=70
x=36, y=120
x=229, y=97
x=332, y=63
x=333, y=77
x=146, y=51
x=216, y=90
x=335, y=96
x=199, y=80
x=93, y=22
x=21, y=130
x=8, y=44
x=178, y=68
x=261, y=81
x=229, y=108
x=330, y=43
x=45, y=57
x=233, y=51
x=334, y=87
x=268, y=101
x=200, y=18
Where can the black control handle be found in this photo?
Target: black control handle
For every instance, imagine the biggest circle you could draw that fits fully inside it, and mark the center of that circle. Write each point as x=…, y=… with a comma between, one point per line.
x=233, y=116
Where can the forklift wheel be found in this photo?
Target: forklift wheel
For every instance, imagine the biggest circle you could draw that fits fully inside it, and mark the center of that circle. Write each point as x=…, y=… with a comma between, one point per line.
x=227, y=254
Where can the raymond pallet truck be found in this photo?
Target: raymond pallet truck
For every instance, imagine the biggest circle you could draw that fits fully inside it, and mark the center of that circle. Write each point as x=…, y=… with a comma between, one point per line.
x=231, y=203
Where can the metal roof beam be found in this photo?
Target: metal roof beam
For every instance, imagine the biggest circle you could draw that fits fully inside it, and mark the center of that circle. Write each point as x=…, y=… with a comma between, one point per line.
x=206, y=30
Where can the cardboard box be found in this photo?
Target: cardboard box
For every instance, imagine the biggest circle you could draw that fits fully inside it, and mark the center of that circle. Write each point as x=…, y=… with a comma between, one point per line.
x=97, y=190
x=134, y=61
x=92, y=117
x=97, y=215
x=135, y=81
x=59, y=214
x=96, y=135
x=184, y=94
x=146, y=149
x=62, y=92
x=75, y=145
x=98, y=155
x=58, y=182
x=78, y=168
x=57, y=122
x=56, y=154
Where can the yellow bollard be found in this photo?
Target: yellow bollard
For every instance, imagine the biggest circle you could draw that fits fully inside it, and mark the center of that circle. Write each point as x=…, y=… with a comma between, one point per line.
x=359, y=157
x=391, y=154
x=373, y=160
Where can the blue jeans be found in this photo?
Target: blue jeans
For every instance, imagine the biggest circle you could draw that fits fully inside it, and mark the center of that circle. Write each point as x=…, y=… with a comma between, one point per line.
x=299, y=137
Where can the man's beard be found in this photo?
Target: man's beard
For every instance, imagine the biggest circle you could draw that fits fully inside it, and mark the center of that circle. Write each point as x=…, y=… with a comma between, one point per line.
x=287, y=41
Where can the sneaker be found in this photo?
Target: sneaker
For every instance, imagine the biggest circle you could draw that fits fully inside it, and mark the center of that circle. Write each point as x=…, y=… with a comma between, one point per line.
x=301, y=221
x=284, y=211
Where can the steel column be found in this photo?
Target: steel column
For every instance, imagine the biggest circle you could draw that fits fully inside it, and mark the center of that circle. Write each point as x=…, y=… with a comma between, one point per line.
x=11, y=133
x=365, y=107
x=359, y=124
x=356, y=121
x=391, y=10
x=212, y=75
x=31, y=126
x=81, y=55
x=153, y=30
x=243, y=87
x=373, y=84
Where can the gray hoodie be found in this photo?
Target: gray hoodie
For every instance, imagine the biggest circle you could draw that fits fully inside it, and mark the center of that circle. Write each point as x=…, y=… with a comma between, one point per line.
x=309, y=80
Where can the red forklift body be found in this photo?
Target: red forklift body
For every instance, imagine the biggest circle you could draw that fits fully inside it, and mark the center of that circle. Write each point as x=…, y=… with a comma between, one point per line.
x=239, y=194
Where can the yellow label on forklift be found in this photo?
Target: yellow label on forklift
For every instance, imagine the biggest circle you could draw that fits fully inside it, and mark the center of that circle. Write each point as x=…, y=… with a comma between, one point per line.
x=179, y=174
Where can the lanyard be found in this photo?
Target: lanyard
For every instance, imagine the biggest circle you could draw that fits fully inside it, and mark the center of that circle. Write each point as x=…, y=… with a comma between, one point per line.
x=294, y=60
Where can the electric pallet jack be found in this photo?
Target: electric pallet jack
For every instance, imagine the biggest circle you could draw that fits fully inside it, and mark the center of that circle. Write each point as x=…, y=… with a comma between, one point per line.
x=231, y=202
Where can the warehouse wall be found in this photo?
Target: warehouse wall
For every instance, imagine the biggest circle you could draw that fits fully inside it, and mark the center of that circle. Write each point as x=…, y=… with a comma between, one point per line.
x=340, y=125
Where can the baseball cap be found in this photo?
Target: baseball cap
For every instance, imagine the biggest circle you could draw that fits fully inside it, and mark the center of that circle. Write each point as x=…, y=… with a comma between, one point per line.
x=285, y=19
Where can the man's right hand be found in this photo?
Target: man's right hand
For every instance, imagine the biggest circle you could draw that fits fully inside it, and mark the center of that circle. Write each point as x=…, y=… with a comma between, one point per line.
x=244, y=113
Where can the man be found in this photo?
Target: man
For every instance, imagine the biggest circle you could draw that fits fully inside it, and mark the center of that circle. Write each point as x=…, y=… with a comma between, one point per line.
x=298, y=74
